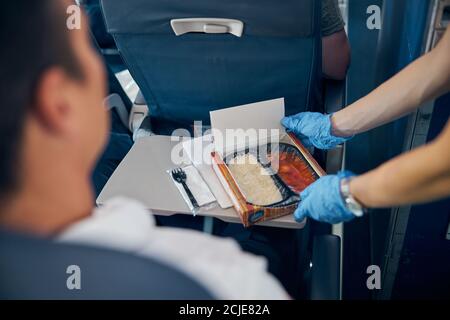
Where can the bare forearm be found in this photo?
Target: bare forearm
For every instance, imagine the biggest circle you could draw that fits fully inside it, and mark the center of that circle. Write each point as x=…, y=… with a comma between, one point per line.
x=423, y=80
x=336, y=55
x=419, y=176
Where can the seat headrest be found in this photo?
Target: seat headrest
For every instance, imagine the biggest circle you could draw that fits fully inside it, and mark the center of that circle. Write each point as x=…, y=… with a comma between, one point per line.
x=262, y=17
x=33, y=268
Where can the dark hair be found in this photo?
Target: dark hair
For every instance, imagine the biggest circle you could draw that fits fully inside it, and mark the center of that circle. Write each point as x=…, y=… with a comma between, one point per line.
x=34, y=37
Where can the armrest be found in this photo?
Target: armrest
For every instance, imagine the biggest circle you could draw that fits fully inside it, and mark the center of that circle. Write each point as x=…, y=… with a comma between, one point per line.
x=140, y=121
x=114, y=101
x=325, y=272
x=140, y=99
x=335, y=100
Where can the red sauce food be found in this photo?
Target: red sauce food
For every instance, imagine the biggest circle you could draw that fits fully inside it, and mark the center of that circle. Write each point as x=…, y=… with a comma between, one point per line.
x=294, y=172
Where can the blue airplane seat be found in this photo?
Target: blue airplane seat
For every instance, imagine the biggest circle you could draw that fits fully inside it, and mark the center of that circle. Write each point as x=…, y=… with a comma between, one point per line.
x=36, y=269
x=32, y=268
x=210, y=65
x=97, y=24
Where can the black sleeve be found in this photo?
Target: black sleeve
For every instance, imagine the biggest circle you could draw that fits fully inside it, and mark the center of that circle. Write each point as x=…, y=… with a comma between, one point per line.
x=332, y=21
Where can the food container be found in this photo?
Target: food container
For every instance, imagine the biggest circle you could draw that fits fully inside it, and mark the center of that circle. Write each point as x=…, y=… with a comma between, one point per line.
x=266, y=185
x=254, y=132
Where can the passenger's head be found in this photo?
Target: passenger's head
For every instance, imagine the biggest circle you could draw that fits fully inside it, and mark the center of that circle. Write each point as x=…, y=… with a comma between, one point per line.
x=52, y=84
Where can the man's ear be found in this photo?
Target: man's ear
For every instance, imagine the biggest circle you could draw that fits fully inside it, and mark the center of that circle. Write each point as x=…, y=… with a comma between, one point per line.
x=52, y=104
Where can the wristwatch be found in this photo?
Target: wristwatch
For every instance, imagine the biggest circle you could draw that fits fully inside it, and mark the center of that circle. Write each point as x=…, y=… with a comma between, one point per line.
x=352, y=204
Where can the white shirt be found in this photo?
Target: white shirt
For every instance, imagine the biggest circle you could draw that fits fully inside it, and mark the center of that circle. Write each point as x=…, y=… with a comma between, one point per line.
x=218, y=264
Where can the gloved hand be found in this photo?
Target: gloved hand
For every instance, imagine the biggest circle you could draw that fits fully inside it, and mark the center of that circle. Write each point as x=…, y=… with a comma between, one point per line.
x=322, y=201
x=313, y=129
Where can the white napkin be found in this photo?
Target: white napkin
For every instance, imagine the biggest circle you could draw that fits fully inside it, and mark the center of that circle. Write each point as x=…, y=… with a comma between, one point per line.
x=199, y=152
x=197, y=186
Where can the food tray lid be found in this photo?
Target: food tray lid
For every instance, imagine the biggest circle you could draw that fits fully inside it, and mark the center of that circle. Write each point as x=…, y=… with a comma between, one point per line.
x=247, y=125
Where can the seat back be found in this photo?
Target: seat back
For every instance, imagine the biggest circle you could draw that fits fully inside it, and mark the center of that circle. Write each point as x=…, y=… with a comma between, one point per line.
x=97, y=24
x=184, y=77
x=37, y=269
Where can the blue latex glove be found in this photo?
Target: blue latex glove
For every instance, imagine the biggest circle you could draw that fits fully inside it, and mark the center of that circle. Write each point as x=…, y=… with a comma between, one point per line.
x=313, y=129
x=322, y=201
